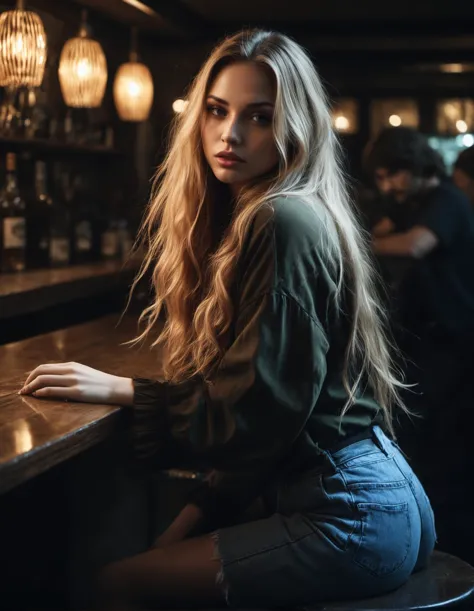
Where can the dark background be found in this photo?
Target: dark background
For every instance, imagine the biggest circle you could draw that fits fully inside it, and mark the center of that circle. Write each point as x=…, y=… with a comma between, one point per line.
x=366, y=50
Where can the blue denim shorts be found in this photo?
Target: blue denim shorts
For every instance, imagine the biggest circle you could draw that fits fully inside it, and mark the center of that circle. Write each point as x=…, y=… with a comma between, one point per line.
x=357, y=526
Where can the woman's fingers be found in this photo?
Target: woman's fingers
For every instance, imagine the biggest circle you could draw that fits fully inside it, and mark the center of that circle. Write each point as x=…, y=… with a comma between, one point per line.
x=47, y=380
x=49, y=368
x=59, y=392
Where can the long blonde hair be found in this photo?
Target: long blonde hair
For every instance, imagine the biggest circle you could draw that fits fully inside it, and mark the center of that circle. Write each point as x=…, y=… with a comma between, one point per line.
x=192, y=280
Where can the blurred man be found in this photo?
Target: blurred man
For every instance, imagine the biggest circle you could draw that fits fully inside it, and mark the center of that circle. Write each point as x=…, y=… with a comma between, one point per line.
x=463, y=173
x=428, y=224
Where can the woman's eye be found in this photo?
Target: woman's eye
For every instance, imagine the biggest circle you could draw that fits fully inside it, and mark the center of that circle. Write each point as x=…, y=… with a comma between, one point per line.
x=217, y=111
x=261, y=119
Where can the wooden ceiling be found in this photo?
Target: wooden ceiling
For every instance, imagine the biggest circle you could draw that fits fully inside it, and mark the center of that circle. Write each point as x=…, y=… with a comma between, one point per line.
x=304, y=11
x=198, y=19
x=348, y=38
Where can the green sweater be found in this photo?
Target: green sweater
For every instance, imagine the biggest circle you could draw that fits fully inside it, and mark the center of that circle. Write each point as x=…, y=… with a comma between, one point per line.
x=279, y=386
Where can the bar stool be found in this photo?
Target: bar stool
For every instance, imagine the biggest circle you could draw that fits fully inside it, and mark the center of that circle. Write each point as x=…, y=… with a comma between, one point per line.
x=447, y=583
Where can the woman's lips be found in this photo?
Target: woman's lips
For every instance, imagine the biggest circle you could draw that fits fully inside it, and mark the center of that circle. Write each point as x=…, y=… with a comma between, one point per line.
x=227, y=162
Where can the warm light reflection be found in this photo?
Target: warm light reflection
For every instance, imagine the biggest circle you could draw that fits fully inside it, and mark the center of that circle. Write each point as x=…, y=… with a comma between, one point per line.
x=393, y=112
x=141, y=7
x=450, y=110
x=452, y=68
x=395, y=120
x=455, y=116
x=59, y=344
x=22, y=437
x=179, y=105
x=345, y=115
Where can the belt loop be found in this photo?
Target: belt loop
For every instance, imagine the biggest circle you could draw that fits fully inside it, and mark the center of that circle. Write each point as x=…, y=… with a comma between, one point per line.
x=379, y=438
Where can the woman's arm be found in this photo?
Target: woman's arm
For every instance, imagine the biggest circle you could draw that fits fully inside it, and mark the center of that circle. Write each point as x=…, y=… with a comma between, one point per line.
x=189, y=518
x=123, y=392
x=263, y=392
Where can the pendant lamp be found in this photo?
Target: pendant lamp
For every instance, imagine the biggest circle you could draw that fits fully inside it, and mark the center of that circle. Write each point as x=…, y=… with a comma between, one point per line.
x=23, y=48
x=133, y=87
x=83, y=69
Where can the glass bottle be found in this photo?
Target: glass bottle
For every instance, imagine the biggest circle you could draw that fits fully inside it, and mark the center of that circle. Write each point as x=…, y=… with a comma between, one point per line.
x=13, y=221
x=38, y=222
x=60, y=243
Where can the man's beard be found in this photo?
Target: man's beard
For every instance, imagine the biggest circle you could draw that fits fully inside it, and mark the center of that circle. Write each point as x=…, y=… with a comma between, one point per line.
x=395, y=198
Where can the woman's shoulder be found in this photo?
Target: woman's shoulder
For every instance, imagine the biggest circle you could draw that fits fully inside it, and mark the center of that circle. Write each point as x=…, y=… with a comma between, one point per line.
x=299, y=224
x=289, y=214
x=296, y=237
x=294, y=213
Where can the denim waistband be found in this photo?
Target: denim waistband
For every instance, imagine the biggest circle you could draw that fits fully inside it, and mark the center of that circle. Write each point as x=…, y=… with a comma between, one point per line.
x=366, y=440
x=365, y=434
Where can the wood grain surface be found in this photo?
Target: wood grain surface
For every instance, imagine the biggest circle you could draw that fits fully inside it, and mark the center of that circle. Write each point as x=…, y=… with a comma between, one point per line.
x=36, y=434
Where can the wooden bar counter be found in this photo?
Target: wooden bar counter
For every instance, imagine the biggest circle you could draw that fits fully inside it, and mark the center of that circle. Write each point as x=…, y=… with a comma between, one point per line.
x=36, y=434
x=33, y=291
x=71, y=499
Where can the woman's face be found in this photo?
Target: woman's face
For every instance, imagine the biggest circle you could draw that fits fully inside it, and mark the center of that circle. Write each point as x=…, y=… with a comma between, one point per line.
x=236, y=130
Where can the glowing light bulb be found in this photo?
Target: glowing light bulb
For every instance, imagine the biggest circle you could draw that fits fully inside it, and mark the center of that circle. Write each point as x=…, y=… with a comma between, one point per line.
x=468, y=140
x=179, y=105
x=134, y=88
x=342, y=123
x=83, y=68
x=18, y=44
x=461, y=126
x=395, y=120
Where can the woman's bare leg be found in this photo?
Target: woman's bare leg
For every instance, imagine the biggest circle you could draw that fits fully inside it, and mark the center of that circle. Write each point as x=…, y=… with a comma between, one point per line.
x=181, y=575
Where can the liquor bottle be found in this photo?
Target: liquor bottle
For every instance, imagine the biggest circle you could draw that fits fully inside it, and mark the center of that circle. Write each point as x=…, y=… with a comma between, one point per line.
x=38, y=222
x=60, y=243
x=83, y=237
x=26, y=125
x=12, y=217
x=109, y=244
x=125, y=239
x=69, y=135
x=110, y=240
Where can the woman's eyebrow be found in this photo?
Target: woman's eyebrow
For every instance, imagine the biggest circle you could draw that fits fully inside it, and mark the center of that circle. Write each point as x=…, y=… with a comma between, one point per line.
x=252, y=105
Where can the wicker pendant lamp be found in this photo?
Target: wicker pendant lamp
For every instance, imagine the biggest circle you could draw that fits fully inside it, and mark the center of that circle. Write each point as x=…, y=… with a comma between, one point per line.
x=83, y=69
x=23, y=48
x=133, y=87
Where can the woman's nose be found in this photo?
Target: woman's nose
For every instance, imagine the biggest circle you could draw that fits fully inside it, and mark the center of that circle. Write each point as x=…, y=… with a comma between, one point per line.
x=232, y=133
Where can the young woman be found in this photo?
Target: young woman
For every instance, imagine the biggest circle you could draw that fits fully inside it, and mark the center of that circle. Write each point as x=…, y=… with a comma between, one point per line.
x=277, y=372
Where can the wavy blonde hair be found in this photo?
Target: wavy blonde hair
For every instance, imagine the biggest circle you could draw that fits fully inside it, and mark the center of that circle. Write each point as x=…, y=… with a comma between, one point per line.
x=192, y=280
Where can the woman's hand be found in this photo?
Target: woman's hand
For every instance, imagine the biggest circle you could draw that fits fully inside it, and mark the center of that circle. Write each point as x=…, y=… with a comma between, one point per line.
x=76, y=382
x=185, y=522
